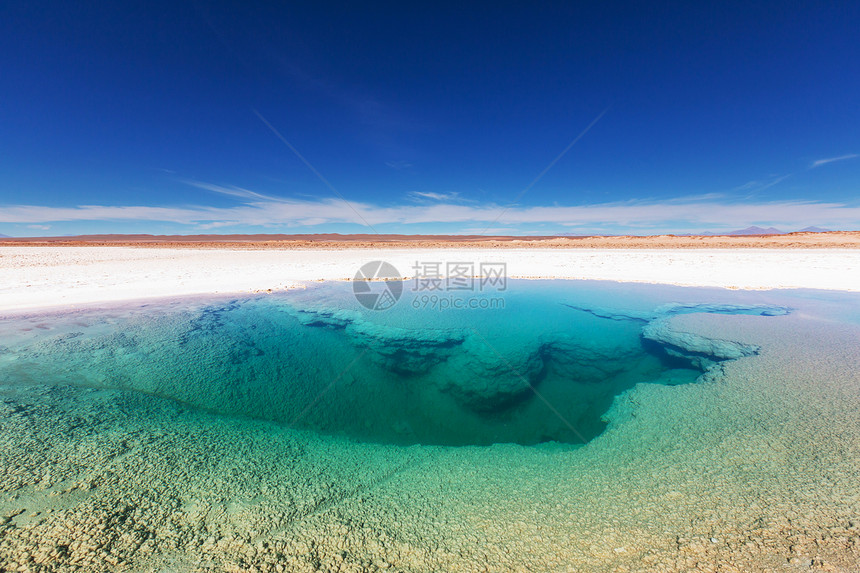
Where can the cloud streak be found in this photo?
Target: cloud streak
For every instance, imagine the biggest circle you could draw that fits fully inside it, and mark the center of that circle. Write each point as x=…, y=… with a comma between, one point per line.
x=821, y=162
x=231, y=190
x=761, y=184
x=429, y=195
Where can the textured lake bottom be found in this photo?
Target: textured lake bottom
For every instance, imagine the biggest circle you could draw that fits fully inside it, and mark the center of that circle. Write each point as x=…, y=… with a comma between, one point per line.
x=753, y=467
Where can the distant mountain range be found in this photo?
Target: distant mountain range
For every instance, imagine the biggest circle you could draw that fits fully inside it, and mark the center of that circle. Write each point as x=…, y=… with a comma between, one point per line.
x=762, y=231
x=757, y=231
x=774, y=231
x=740, y=232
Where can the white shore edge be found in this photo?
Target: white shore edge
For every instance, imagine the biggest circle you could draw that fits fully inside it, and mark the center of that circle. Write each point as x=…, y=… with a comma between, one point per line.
x=48, y=277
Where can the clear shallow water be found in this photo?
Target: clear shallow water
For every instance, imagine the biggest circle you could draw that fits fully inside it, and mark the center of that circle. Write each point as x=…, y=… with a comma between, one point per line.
x=546, y=367
x=764, y=449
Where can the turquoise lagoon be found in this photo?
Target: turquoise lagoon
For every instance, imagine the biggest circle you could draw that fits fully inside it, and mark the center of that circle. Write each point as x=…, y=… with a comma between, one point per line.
x=538, y=362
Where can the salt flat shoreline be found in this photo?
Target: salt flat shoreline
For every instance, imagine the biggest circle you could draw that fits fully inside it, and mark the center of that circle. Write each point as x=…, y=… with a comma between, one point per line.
x=36, y=277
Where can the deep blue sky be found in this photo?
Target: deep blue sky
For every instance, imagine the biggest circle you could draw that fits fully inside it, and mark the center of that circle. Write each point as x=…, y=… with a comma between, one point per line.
x=429, y=119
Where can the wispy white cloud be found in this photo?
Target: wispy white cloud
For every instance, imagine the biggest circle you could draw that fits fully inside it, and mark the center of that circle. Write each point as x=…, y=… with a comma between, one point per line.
x=491, y=231
x=231, y=190
x=429, y=195
x=700, y=197
x=821, y=162
x=762, y=184
x=217, y=225
x=642, y=216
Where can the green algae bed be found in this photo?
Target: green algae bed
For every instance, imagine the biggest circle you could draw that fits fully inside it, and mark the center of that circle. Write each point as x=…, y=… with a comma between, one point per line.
x=573, y=426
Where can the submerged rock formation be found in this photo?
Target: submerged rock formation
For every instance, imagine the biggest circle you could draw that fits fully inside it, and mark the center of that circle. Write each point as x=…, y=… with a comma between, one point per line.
x=487, y=376
x=455, y=360
x=675, y=308
x=700, y=351
x=402, y=350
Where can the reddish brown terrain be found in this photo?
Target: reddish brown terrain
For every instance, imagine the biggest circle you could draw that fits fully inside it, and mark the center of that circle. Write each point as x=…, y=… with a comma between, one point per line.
x=829, y=240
